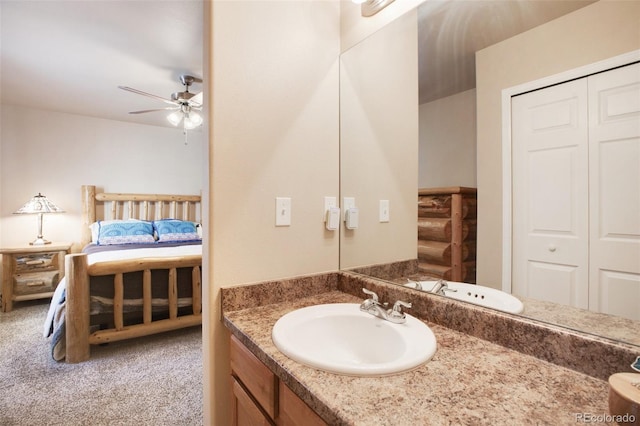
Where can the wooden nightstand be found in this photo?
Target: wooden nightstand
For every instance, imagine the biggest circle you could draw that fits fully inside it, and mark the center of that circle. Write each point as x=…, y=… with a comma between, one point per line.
x=31, y=272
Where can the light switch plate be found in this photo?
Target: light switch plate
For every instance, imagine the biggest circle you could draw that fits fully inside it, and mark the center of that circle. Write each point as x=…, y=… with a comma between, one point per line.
x=384, y=210
x=328, y=203
x=283, y=211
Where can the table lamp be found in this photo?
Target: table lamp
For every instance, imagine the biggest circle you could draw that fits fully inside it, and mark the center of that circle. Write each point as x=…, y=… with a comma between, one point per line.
x=39, y=205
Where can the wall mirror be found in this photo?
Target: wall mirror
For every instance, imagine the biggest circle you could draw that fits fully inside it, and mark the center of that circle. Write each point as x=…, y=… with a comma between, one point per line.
x=382, y=135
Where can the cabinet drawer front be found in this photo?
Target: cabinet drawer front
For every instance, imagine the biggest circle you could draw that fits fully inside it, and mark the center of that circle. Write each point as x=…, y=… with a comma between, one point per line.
x=255, y=376
x=36, y=262
x=37, y=282
x=245, y=412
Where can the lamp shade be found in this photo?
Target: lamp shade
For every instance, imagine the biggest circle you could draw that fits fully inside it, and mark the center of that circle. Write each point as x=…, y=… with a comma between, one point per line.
x=39, y=204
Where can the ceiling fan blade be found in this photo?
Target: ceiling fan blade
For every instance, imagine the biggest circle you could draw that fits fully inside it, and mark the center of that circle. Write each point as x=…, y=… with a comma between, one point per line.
x=154, y=110
x=140, y=92
x=196, y=99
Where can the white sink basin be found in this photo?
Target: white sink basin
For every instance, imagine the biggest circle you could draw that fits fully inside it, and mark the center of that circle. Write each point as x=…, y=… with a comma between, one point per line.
x=477, y=294
x=339, y=338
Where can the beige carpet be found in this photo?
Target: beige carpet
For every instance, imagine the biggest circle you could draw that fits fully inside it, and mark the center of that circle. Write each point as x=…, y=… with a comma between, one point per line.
x=155, y=380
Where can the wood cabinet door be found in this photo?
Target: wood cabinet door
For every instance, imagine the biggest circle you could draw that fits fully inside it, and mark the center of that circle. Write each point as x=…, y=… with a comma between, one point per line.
x=260, y=382
x=294, y=412
x=244, y=411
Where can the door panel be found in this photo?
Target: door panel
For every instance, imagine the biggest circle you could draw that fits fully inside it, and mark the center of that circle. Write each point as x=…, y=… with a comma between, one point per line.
x=619, y=294
x=550, y=194
x=614, y=179
x=551, y=174
x=552, y=278
x=619, y=190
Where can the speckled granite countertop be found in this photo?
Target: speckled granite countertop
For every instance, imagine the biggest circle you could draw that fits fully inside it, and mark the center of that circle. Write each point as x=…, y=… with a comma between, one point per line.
x=598, y=324
x=468, y=381
x=614, y=327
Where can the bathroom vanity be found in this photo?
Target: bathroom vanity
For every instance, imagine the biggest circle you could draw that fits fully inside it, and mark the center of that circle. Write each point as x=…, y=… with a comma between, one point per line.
x=489, y=367
x=260, y=398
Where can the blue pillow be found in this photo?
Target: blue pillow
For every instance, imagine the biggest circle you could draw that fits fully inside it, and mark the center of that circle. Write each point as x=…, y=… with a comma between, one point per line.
x=174, y=230
x=125, y=232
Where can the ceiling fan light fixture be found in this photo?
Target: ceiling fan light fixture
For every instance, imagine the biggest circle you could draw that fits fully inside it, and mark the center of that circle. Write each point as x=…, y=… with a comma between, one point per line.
x=175, y=117
x=183, y=104
x=192, y=120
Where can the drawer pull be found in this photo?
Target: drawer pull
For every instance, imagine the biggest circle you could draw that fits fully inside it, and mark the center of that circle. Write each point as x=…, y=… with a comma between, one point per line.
x=35, y=283
x=34, y=262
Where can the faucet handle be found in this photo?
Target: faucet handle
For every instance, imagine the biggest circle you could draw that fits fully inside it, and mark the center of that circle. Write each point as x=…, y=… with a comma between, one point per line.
x=416, y=284
x=374, y=296
x=397, y=307
x=395, y=314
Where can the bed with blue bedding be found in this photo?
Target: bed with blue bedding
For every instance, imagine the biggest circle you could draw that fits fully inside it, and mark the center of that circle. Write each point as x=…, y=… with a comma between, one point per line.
x=136, y=276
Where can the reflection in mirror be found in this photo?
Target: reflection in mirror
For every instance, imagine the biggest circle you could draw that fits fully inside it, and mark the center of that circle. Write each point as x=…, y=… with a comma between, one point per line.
x=471, y=293
x=449, y=33
x=379, y=143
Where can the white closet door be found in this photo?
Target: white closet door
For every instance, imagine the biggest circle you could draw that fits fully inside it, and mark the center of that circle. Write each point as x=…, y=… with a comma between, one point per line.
x=550, y=194
x=614, y=176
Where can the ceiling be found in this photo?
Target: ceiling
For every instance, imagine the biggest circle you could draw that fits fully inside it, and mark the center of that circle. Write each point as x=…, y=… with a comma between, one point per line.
x=71, y=56
x=451, y=31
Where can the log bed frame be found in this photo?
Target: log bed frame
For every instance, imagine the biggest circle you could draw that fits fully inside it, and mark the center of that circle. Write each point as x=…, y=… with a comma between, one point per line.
x=78, y=273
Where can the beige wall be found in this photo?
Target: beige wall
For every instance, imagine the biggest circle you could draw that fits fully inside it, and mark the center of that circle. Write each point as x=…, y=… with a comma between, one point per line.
x=55, y=153
x=274, y=132
x=379, y=143
x=448, y=142
x=596, y=32
x=354, y=28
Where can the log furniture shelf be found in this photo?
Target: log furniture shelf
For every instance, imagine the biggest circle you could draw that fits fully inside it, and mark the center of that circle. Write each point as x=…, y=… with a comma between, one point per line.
x=31, y=272
x=447, y=233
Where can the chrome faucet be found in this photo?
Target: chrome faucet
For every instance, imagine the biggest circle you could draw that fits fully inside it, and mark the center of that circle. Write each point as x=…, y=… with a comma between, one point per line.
x=416, y=284
x=374, y=307
x=441, y=286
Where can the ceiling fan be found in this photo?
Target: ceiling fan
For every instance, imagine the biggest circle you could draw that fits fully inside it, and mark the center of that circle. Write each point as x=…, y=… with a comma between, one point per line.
x=184, y=104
